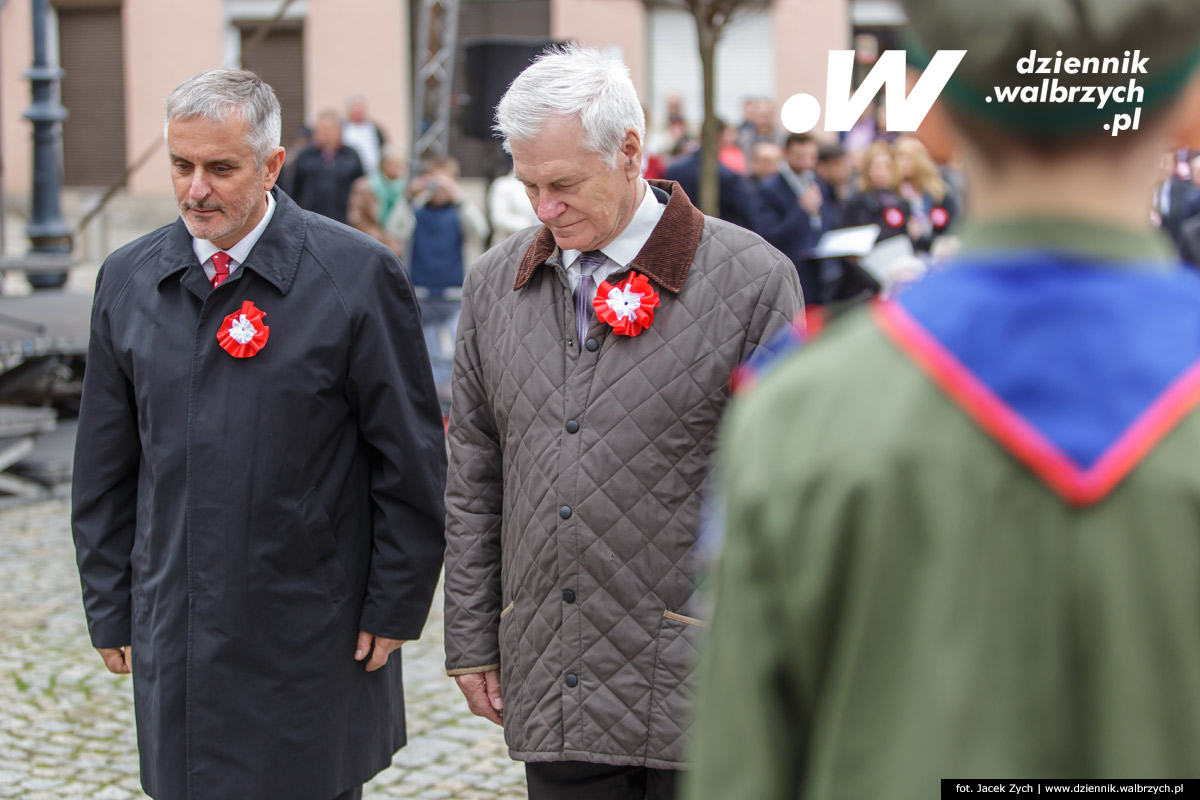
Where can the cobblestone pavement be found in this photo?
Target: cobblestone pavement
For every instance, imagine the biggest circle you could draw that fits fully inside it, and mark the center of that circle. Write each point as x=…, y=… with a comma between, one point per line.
x=66, y=724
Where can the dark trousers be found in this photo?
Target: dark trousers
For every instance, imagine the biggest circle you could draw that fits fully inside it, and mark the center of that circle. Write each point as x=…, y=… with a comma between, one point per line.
x=353, y=794
x=576, y=780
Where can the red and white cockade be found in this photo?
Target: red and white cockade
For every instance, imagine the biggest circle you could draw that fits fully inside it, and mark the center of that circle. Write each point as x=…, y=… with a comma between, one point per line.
x=628, y=306
x=243, y=333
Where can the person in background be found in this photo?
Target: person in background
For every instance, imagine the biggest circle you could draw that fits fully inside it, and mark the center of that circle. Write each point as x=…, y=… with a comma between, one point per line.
x=764, y=163
x=390, y=182
x=728, y=152
x=961, y=525
x=1175, y=198
x=793, y=210
x=325, y=170
x=363, y=134
x=932, y=205
x=739, y=201
x=834, y=175
x=761, y=125
x=509, y=209
x=443, y=222
x=877, y=201
x=378, y=203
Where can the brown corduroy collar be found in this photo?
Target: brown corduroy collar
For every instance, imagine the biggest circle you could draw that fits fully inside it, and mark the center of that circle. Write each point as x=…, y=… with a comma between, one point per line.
x=665, y=258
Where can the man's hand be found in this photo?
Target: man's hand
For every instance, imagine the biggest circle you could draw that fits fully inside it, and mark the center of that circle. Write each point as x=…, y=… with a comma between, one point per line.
x=378, y=647
x=482, y=690
x=119, y=660
x=810, y=199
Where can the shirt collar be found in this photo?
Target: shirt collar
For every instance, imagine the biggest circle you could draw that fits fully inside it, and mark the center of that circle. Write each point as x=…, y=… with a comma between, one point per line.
x=629, y=242
x=1068, y=235
x=205, y=249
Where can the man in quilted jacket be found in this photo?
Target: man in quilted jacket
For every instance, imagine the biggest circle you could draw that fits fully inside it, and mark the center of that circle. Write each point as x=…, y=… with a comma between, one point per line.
x=973, y=554
x=592, y=365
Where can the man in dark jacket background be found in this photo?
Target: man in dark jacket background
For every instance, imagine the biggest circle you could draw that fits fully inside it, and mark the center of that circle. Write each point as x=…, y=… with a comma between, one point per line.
x=257, y=503
x=325, y=170
x=738, y=199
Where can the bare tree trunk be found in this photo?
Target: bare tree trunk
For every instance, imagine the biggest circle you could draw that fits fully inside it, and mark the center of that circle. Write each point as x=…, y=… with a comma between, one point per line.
x=710, y=185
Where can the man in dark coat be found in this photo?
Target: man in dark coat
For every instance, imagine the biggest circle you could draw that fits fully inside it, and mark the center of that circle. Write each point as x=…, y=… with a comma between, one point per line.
x=325, y=170
x=794, y=213
x=738, y=200
x=1176, y=200
x=258, y=476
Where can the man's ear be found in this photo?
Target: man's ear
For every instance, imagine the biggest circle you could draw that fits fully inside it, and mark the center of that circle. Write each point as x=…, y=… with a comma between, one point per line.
x=1185, y=132
x=272, y=167
x=631, y=153
x=935, y=131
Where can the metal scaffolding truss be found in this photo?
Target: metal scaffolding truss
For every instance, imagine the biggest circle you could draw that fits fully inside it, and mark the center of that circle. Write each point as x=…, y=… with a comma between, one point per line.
x=433, y=77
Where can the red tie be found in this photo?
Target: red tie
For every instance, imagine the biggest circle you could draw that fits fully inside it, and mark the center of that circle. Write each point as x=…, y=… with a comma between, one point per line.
x=221, y=266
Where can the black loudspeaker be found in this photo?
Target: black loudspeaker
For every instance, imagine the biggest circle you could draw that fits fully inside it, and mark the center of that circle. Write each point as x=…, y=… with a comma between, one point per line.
x=492, y=64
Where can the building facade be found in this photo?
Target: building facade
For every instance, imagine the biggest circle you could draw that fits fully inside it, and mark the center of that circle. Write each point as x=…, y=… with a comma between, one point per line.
x=122, y=57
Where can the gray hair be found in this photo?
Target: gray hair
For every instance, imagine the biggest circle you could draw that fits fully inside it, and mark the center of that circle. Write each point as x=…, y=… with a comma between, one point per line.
x=573, y=81
x=219, y=95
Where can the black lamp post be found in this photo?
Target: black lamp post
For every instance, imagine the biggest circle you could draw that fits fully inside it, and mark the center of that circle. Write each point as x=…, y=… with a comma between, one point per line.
x=49, y=235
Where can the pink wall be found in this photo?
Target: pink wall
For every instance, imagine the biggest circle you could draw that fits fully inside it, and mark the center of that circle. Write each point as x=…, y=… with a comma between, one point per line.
x=603, y=23
x=362, y=49
x=16, y=54
x=155, y=63
x=805, y=32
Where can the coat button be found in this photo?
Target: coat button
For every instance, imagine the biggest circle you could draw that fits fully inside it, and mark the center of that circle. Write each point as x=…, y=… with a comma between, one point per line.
x=565, y=512
x=572, y=681
x=592, y=345
x=572, y=426
x=568, y=596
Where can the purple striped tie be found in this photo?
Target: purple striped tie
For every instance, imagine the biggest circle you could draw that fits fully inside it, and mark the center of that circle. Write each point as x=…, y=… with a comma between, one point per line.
x=583, y=297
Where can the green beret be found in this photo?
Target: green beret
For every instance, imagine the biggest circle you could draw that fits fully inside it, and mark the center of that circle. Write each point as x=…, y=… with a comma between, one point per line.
x=1059, y=66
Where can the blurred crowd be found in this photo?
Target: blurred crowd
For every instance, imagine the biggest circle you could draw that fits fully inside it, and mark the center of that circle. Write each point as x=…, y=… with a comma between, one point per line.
x=794, y=188
x=791, y=188
x=346, y=168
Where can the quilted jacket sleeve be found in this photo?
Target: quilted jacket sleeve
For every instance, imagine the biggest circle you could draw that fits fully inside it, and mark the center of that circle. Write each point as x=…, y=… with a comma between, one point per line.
x=778, y=304
x=474, y=502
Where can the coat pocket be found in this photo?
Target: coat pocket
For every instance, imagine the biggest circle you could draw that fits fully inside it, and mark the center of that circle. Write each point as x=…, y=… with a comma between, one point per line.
x=318, y=532
x=672, y=690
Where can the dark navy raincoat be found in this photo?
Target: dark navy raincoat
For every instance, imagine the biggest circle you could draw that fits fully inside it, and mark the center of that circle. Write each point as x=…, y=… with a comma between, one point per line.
x=239, y=520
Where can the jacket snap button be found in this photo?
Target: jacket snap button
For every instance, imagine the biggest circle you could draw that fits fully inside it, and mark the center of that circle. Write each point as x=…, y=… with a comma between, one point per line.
x=568, y=596
x=565, y=512
x=592, y=345
x=572, y=426
x=572, y=681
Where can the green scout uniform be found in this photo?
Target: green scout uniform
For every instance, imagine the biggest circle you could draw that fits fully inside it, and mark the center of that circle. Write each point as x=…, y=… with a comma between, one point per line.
x=963, y=525
x=901, y=600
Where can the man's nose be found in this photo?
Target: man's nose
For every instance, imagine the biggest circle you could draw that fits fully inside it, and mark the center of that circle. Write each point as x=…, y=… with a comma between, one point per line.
x=200, y=187
x=548, y=207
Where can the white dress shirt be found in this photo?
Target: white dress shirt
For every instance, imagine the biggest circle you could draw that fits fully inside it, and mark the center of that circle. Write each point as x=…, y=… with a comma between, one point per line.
x=204, y=249
x=622, y=249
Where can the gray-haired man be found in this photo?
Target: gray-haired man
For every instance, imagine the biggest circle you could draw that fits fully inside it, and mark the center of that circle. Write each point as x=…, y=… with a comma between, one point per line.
x=258, y=474
x=593, y=363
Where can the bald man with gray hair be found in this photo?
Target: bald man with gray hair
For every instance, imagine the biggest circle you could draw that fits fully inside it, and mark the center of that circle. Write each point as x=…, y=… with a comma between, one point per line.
x=592, y=365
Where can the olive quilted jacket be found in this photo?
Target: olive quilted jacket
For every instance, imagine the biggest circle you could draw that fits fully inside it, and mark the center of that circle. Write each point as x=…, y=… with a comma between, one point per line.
x=575, y=482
